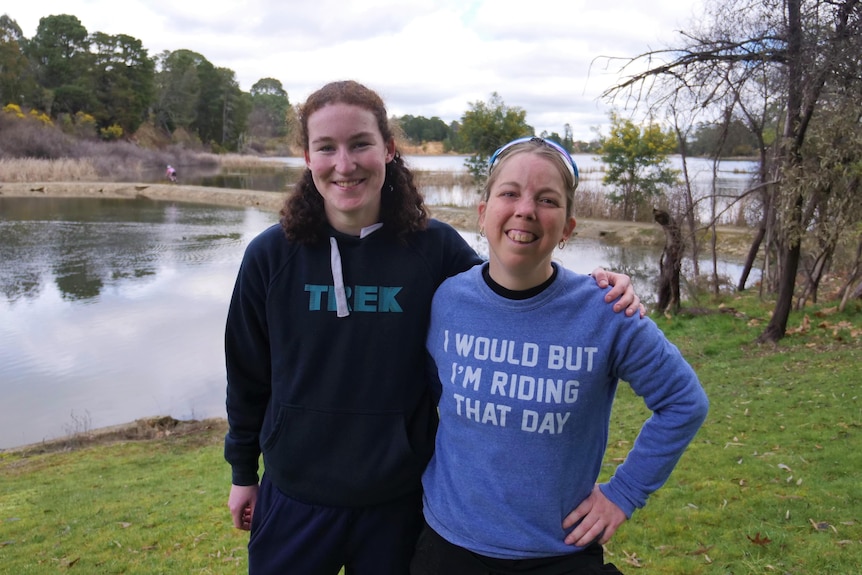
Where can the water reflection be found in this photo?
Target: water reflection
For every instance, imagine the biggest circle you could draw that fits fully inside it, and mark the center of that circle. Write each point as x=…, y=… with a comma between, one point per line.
x=114, y=313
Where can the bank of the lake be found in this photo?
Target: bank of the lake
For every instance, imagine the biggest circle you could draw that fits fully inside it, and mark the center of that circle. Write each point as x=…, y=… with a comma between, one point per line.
x=733, y=241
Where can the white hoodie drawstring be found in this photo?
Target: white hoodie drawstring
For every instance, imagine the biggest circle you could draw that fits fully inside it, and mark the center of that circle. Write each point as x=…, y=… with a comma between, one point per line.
x=342, y=310
x=338, y=279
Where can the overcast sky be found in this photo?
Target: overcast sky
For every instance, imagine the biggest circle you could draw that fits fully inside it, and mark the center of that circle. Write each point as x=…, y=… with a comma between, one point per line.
x=425, y=57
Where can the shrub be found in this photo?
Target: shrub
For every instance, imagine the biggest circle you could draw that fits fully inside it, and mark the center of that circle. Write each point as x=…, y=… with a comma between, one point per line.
x=41, y=117
x=13, y=109
x=112, y=132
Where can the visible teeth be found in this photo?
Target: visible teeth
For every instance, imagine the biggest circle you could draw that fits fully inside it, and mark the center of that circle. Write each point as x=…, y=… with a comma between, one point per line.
x=518, y=236
x=347, y=184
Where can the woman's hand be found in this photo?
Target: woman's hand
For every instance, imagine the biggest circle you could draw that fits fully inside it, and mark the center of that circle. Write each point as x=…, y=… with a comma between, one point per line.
x=622, y=289
x=241, y=503
x=599, y=519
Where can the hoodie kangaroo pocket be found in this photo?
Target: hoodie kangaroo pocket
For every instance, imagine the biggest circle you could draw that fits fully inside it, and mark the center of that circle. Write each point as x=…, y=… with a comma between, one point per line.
x=342, y=457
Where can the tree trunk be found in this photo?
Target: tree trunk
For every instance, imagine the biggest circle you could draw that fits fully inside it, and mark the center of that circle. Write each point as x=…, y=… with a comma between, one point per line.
x=777, y=326
x=670, y=263
x=794, y=130
x=848, y=292
x=752, y=255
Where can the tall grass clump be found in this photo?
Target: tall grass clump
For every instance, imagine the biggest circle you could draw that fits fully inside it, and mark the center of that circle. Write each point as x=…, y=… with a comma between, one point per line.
x=43, y=170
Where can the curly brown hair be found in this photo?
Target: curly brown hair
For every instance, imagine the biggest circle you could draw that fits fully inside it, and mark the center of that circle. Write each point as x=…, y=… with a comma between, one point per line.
x=402, y=207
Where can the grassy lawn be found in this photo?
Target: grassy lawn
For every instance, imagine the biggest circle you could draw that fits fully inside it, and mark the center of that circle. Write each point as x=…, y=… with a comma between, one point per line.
x=771, y=485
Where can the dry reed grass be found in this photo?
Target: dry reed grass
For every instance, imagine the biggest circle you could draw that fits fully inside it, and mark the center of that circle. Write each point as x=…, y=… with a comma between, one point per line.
x=241, y=161
x=40, y=170
x=424, y=178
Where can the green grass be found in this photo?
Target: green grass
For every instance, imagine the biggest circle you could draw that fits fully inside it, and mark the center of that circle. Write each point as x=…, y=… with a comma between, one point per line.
x=772, y=484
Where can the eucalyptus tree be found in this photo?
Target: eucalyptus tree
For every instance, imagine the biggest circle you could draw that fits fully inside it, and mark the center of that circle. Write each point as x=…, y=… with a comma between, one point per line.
x=419, y=129
x=269, y=109
x=806, y=54
x=60, y=54
x=177, y=87
x=227, y=127
x=485, y=127
x=638, y=169
x=17, y=85
x=193, y=94
x=123, y=78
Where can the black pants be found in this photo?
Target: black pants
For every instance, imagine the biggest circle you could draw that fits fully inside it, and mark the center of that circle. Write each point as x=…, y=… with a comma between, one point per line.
x=295, y=538
x=436, y=556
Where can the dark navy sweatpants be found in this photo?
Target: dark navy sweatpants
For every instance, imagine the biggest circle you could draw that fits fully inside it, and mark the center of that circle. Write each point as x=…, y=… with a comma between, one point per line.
x=289, y=537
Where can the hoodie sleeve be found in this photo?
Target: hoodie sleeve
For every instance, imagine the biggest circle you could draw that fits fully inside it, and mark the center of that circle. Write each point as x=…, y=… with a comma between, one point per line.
x=247, y=359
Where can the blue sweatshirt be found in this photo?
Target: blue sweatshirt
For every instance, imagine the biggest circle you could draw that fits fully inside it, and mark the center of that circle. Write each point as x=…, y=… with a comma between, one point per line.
x=527, y=389
x=339, y=405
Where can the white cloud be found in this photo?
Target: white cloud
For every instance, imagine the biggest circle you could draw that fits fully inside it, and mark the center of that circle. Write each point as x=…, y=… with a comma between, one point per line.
x=425, y=57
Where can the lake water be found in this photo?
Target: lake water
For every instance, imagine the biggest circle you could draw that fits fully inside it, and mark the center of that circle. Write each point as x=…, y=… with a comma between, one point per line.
x=113, y=310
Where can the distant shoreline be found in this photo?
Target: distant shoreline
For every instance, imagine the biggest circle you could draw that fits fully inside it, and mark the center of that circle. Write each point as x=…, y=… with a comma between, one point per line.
x=616, y=232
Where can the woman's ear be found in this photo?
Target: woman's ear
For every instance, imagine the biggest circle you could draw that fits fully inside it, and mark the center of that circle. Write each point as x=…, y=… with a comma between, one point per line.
x=570, y=227
x=390, y=150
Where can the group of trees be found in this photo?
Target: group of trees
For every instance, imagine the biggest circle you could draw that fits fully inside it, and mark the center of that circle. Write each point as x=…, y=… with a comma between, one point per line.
x=68, y=73
x=790, y=73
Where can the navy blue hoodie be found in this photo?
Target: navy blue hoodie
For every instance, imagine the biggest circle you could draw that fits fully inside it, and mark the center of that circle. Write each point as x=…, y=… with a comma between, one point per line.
x=340, y=407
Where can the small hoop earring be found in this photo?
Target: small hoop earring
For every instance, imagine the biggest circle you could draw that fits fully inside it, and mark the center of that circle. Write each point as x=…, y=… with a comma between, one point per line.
x=562, y=244
x=481, y=232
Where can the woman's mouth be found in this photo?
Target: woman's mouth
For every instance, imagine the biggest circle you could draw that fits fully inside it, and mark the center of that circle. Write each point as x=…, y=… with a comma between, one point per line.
x=521, y=236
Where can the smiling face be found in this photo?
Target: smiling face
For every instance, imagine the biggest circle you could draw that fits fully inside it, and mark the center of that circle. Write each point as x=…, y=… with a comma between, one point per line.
x=347, y=156
x=525, y=216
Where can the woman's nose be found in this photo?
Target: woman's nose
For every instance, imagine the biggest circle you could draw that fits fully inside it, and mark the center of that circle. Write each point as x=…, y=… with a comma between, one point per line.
x=525, y=208
x=343, y=161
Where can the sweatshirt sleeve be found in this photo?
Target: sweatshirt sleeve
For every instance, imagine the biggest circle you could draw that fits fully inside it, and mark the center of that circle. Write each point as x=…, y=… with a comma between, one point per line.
x=659, y=374
x=247, y=359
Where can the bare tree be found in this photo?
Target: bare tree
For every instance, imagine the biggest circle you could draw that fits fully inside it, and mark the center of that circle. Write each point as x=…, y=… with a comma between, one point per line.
x=809, y=52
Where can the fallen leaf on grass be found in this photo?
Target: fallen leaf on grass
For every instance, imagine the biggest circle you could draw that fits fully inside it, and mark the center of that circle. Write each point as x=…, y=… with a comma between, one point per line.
x=758, y=540
x=632, y=559
x=803, y=327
